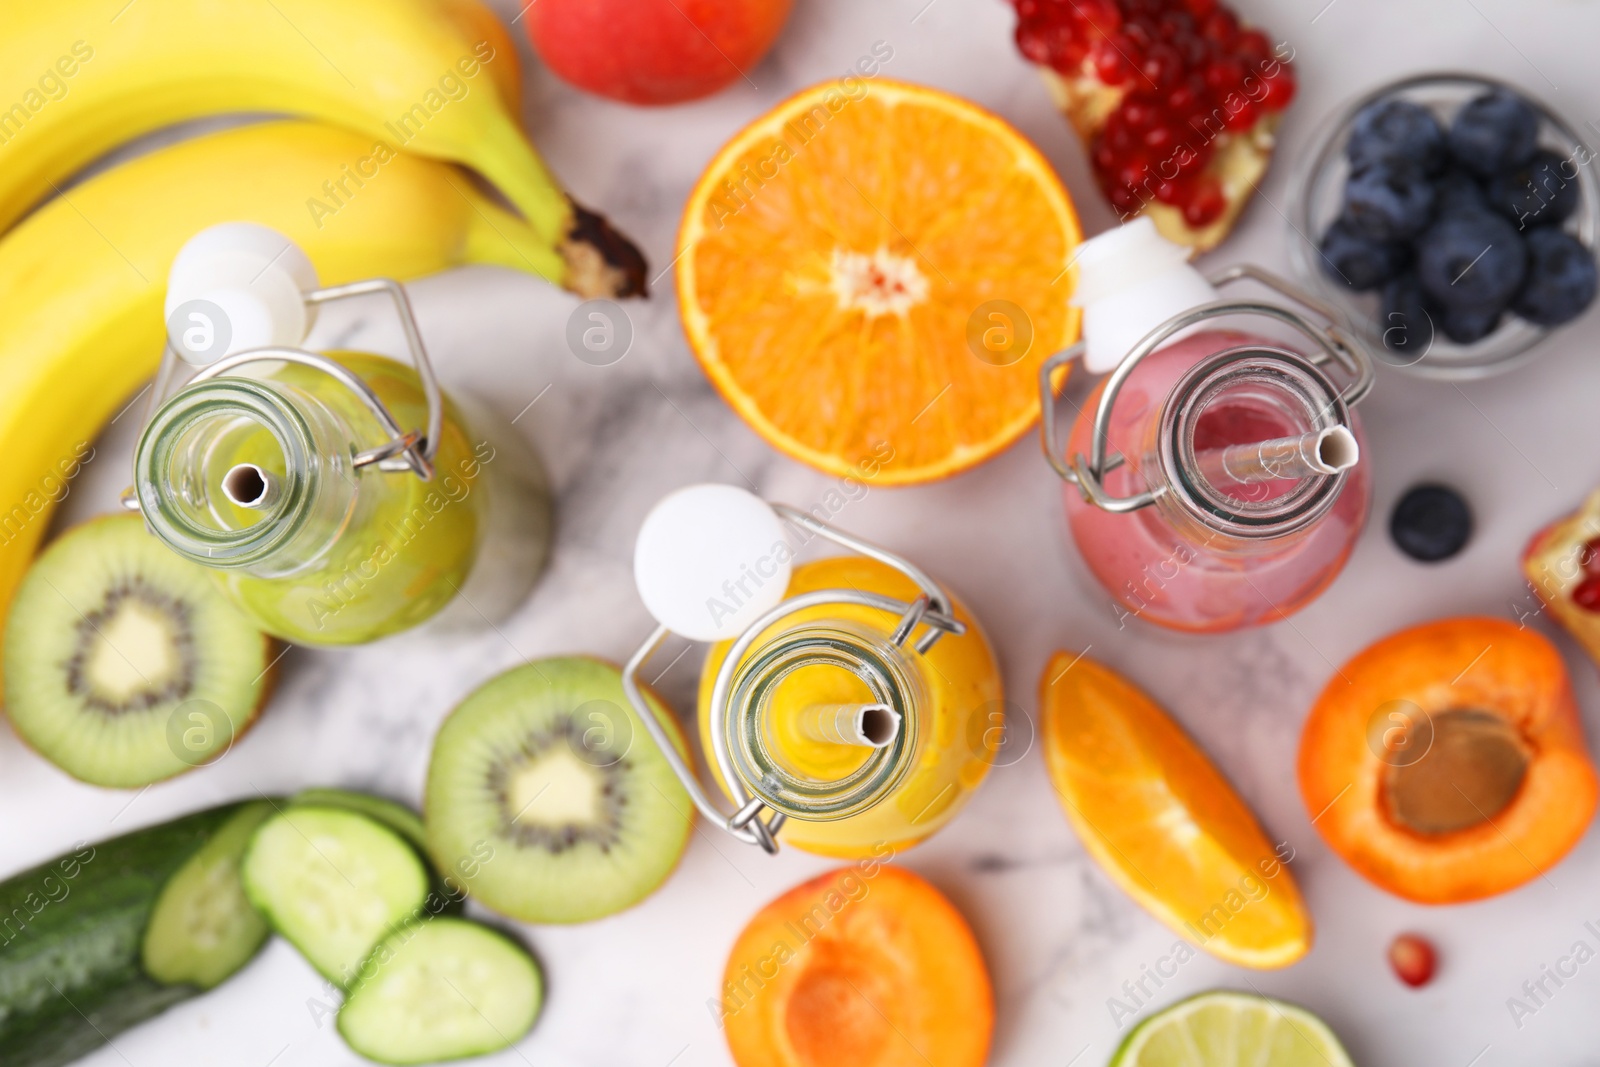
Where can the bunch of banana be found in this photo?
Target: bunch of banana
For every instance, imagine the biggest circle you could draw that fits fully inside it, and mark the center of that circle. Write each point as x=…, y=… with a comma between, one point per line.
x=433, y=77
x=84, y=278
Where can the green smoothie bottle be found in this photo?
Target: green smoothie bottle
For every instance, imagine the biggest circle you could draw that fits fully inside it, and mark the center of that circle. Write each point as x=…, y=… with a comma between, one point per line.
x=337, y=497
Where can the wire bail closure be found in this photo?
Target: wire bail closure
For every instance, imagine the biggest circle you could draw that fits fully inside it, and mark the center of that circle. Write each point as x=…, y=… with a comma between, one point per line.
x=1333, y=343
x=406, y=450
x=931, y=611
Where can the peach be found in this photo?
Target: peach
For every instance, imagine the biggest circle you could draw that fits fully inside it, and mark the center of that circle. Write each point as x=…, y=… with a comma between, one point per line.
x=867, y=965
x=654, y=51
x=1447, y=762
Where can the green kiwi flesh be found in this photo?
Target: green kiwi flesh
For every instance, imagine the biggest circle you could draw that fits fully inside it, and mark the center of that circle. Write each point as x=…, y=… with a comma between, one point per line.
x=125, y=664
x=548, y=799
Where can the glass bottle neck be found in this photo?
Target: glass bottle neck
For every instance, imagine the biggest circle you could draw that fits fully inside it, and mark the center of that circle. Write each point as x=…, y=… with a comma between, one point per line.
x=770, y=712
x=245, y=473
x=1213, y=483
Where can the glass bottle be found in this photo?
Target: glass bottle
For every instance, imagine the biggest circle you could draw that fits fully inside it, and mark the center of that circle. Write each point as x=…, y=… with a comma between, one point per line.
x=852, y=698
x=1217, y=483
x=289, y=475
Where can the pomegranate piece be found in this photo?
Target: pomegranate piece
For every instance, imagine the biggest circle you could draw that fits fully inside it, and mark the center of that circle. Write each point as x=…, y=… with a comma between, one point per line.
x=1413, y=959
x=1175, y=100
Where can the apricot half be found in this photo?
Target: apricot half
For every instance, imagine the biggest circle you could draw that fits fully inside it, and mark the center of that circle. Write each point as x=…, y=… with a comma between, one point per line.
x=1447, y=763
x=868, y=966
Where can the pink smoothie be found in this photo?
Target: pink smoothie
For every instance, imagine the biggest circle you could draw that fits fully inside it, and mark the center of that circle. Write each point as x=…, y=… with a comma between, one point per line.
x=1196, y=580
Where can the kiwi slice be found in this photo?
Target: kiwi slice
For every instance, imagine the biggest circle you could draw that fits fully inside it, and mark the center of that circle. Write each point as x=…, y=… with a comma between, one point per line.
x=548, y=799
x=124, y=663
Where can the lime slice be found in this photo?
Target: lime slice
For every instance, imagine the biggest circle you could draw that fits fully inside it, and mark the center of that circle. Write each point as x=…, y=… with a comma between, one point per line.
x=1225, y=1029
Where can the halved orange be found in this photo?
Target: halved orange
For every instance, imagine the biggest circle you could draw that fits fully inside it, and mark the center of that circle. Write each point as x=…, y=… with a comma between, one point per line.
x=1162, y=820
x=871, y=275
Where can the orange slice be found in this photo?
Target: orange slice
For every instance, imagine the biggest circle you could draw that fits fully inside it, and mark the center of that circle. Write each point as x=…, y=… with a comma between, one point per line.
x=872, y=279
x=1163, y=822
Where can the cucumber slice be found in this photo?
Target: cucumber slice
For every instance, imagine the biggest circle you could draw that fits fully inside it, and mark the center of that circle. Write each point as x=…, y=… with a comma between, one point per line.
x=203, y=928
x=441, y=990
x=396, y=816
x=333, y=883
x=447, y=897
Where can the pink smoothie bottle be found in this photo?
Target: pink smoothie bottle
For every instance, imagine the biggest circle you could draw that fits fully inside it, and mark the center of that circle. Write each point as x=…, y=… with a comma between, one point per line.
x=1214, y=477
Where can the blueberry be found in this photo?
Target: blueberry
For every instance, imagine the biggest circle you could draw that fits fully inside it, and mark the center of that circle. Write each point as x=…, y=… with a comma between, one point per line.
x=1469, y=324
x=1359, y=262
x=1540, y=192
x=1457, y=192
x=1388, y=203
x=1431, y=523
x=1561, y=278
x=1494, y=132
x=1395, y=131
x=1407, y=323
x=1471, y=261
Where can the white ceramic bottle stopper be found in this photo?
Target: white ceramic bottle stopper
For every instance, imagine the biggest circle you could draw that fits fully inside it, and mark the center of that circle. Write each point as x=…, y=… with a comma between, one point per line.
x=1131, y=280
x=234, y=287
x=710, y=560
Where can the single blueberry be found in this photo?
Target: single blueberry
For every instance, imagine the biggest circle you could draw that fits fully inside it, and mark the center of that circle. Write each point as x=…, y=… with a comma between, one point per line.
x=1407, y=323
x=1469, y=324
x=1431, y=523
x=1561, y=278
x=1457, y=192
x=1395, y=131
x=1388, y=203
x=1471, y=261
x=1494, y=132
x=1541, y=192
x=1359, y=262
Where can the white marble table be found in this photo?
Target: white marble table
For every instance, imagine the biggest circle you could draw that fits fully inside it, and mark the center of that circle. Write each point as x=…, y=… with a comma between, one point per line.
x=1059, y=937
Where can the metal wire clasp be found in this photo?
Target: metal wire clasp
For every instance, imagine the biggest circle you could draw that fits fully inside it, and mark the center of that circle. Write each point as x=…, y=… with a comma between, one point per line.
x=406, y=450
x=931, y=611
x=1333, y=344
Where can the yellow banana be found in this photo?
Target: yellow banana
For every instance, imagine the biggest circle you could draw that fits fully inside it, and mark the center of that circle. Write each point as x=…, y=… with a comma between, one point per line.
x=85, y=278
x=434, y=77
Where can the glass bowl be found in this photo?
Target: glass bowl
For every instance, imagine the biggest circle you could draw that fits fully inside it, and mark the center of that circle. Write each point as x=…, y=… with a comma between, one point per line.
x=1317, y=192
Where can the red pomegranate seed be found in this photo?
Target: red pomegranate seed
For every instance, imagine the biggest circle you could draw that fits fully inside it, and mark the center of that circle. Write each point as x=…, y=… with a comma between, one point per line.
x=1101, y=14
x=1160, y=140
x=1174, y=24
x=1033, y=41
x=1220, y=26
x=1253, y=46
x=1413, y=959
x=1138, y=112
x=1110, y=66
x=1200, y=8
x=1124, y=200
x=1206, y=204
x=1184, y=98
x=1243, y=118
x=1162, y=64
x=1280, y=89
x=1174, y=191
x=1587, y=594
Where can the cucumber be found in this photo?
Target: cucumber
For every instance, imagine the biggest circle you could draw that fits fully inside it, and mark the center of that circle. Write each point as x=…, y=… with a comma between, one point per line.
x=80, y=946
x=440, y=990
x=333, y=882
x=448, y=897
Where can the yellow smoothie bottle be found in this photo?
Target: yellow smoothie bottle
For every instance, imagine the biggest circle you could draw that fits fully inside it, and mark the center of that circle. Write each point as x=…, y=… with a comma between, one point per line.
x=337, y=497
x=848, y=705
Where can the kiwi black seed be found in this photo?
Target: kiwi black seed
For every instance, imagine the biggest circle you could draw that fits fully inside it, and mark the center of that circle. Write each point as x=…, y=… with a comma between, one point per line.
x=548, y=799
x=125, y=664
